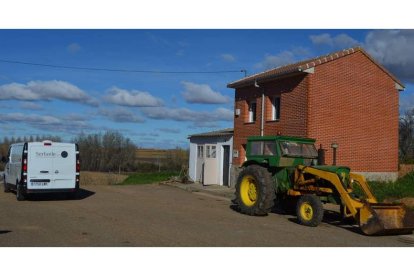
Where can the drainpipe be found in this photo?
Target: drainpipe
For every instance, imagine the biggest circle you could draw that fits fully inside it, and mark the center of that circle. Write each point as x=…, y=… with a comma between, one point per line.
x=262, y=118
x=262, y=107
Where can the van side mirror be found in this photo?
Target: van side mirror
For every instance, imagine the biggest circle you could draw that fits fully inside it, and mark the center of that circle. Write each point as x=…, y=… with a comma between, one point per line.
x=3, y=159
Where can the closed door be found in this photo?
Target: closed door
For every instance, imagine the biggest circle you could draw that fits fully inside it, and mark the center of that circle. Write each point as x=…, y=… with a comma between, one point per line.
x=64, y=166
x=210, y=171
x=226, y=165
x=200, y=163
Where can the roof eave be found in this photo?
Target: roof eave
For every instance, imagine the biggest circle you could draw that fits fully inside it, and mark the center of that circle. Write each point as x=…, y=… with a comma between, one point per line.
x=252, y=81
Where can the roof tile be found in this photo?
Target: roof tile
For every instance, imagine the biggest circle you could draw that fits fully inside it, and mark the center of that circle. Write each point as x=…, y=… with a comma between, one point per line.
x=303, y=65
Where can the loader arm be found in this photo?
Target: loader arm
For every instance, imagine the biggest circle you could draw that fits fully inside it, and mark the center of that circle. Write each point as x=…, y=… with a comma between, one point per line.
x=351, y=204
x=373, y=218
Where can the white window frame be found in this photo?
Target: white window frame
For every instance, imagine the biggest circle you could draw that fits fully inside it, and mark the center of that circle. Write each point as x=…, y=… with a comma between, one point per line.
x=275, y=111
x=200, y=151
x=211, y=151
x=252, y=115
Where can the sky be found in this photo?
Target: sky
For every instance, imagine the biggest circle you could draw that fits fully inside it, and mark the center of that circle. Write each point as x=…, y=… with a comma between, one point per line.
x=177, y=86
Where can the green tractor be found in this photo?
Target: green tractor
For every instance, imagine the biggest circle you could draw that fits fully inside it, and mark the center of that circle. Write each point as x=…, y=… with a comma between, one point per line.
x=286, y=168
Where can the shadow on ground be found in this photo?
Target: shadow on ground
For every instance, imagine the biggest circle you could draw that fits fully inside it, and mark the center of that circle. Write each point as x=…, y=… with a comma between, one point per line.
x=4, y=231
x=330, y=217
x=82, y=194
x=334, y=218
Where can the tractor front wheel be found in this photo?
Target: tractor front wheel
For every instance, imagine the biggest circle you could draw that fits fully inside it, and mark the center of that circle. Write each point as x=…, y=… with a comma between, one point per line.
x=309, y=210
x=255, y=194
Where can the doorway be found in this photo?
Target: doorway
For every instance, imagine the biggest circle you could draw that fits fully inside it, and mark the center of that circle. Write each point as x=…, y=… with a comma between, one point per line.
x=226, y=165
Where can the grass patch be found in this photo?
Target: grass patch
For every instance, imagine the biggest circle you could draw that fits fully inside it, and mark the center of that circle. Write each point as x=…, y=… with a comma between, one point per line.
x=148, y=178
x=403, y=187
x=100, y=178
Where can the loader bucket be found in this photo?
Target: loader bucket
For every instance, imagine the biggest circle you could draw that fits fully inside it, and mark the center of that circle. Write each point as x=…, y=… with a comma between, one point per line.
x=386, y=219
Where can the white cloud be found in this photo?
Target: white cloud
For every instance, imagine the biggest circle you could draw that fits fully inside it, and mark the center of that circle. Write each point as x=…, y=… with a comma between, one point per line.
x=31, y=106
x=202, y=93
x=45, y=90
x=340, y=41
x=394, y=49
x=204, y=125
x=135, y=98
x=17, y=91
x=228, y=58
x=32, y=118
x=169, y=130
x=68, y=124
x=272, y=61
x=121, y=115
x=184, y=114
x=322, y=39
x=73, y=48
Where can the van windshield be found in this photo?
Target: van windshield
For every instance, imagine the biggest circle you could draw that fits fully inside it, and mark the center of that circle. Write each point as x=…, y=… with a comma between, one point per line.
x=296, y=149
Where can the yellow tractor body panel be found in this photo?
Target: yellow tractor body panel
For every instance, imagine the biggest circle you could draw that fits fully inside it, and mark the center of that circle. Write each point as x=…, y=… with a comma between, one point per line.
x=373, y=218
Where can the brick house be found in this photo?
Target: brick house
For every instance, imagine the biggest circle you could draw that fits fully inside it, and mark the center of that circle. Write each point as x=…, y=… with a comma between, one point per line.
x=344, y=97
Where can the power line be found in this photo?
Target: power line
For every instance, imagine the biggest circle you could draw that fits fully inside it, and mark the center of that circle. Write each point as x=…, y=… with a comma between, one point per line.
x=120, y=70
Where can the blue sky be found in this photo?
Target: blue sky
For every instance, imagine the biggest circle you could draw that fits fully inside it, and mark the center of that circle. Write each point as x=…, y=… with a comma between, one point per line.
x=156, y=109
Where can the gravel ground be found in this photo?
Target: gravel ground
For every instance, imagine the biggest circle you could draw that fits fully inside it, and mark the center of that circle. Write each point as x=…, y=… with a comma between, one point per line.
x=157, y=215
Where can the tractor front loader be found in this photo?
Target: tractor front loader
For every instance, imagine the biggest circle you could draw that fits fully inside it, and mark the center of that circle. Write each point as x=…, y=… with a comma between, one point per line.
x=286, y=167
x=373, y=218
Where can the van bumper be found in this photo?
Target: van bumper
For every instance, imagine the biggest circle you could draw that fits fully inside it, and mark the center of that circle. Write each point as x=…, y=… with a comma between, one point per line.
x=41, y=191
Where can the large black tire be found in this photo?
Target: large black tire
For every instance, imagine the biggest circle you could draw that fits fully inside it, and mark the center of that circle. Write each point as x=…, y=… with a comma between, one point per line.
x=5, y=186
x=255, y=193
x=309, y=210
x=20, y=196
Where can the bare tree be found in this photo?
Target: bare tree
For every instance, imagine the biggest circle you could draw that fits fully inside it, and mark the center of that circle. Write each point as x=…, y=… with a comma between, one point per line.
x=110, y=151
x=406, y=135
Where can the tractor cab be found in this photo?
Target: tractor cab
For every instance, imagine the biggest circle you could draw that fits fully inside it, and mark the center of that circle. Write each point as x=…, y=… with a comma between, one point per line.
x=281, y=151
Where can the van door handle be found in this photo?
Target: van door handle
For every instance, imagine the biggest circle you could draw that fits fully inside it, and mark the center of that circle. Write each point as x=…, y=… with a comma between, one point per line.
x=44, y=171
x=56, y=171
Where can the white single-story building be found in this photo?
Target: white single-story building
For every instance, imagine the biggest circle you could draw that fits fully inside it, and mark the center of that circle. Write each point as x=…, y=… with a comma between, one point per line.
x=211, y=157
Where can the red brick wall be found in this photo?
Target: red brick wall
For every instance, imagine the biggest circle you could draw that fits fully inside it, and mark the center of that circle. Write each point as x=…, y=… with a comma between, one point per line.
x=293, y=111
x=354, y=103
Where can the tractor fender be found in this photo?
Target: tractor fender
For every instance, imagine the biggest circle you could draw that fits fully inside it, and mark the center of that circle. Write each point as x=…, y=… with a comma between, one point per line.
x=252, y=162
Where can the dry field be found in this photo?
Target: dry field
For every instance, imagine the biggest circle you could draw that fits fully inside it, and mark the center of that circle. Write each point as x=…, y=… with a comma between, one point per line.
x=101, y=178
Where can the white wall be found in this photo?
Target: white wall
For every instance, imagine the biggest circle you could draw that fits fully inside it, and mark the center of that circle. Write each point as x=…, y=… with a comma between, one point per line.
x=220, y=142
x=192, y=165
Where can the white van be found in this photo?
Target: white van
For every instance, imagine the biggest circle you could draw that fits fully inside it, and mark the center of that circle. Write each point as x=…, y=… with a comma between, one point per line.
x=42, y=167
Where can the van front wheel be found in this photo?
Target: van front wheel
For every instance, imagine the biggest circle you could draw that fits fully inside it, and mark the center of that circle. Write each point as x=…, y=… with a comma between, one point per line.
x=19, y=192
x=6, y=187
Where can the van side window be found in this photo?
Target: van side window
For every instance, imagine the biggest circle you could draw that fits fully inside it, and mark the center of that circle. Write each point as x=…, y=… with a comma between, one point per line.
x=16, y=154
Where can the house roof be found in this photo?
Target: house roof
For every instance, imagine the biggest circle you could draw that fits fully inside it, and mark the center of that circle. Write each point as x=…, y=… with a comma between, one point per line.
x=303, y=66
x=216, y=133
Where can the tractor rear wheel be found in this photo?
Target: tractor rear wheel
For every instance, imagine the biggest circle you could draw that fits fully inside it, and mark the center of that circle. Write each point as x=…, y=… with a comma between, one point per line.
x=255, y=194
x=309, y=210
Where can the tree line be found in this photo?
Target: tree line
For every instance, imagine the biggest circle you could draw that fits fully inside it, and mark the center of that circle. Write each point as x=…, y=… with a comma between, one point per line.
x=406, y=137
x=109, y=152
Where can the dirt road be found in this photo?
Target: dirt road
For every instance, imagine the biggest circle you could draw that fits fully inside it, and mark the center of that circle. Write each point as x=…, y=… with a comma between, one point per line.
x=156, y=215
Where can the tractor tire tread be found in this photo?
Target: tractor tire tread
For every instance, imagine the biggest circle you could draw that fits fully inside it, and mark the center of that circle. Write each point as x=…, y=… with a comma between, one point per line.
x=267, y=195
x=317, y=207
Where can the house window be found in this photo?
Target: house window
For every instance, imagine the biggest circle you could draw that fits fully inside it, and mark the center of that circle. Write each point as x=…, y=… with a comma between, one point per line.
x=276, y=108
x=252, y=112
x=200, y=151
x=210, y=151
x=213, y=151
